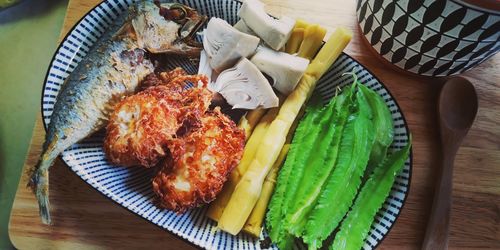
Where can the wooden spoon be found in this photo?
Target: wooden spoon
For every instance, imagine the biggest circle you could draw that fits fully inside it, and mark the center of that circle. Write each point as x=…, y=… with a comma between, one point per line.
x=457, y=110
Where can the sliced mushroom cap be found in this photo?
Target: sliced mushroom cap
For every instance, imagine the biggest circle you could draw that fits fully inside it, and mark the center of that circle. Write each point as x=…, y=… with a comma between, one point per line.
x=244, y=86
x=285, y=69
x=225, y=45
x=274, y=32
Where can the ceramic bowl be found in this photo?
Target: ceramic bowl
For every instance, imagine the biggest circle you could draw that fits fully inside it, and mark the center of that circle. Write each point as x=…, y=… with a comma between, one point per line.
x=428, y=37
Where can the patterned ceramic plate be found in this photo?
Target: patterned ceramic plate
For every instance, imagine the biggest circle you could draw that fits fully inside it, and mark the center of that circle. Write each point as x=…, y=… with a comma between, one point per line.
x=131, y=187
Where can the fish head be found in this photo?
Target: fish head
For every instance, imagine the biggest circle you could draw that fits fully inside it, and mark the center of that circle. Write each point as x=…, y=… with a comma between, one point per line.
x=164, y=27
x=187, y=17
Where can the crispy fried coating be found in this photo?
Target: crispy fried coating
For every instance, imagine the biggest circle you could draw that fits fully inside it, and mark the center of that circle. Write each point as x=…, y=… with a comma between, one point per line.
x=167, y=125
x=141, y=125
x=200, y=162
x=176, y=78
x=168, y=76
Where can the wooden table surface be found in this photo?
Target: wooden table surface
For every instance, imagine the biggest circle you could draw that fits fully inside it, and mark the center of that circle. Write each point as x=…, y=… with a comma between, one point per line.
x=83, y=218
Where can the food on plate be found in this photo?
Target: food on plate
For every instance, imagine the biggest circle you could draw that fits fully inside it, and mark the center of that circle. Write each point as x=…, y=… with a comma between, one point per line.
x=322, y=173
x=293, y=44
x=383, y=126
x=313, y=39
x=142, y=124
x=139, y=129
x=113, y=68
x=200, y=162
x=250, y=120
x=175, y=36
x=253, y=225
x=288, y=178
x=168, y=125
x=225, y=45
x=318, y=162
x=217, y=207
x=357, y=224
x=179, y=125
x=284, y=69
x=243, y=27
x=274, y=32
x=238, y=208
x=167, y=78
x=244, y=86
x=204, y=67
x=341, y=187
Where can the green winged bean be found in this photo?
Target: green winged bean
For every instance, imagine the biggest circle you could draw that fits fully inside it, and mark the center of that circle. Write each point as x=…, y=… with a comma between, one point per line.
x=356, y=225
x=342, y=184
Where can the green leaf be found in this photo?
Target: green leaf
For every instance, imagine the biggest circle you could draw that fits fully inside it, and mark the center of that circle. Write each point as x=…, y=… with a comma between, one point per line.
x=357, y=224
x=342, y=184
x=321, y=162
x=288, y=174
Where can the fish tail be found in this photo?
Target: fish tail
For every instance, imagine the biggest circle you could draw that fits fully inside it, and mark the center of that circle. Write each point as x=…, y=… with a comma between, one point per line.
x=39, y=183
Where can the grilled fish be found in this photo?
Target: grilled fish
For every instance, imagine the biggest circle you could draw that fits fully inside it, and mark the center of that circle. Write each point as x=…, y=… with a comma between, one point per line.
x=112, y=69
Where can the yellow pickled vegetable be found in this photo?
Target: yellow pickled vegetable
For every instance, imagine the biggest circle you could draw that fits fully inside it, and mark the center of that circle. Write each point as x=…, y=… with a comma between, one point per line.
x=250, y=120
x=217, y=206
x=293, y=44
x=329, y=52
x=248, y=190
x=300, y=23
x=313, y=38
x=253, y=225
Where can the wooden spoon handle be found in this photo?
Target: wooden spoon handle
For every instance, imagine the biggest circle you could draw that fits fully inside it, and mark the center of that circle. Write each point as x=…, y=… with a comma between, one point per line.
x=436, y=236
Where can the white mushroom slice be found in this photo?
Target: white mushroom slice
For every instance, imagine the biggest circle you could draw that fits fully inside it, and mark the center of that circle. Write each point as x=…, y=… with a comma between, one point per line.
x=244, y=86
x=274, y=32
x=225, y=45
x=285, y=69
x=243, y=27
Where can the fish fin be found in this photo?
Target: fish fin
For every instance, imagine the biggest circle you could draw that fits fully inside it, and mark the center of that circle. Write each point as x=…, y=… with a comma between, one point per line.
x=39, y=183
x=42, y=195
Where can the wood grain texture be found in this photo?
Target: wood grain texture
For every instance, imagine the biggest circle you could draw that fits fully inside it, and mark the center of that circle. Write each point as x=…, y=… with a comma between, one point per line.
x=83, y=218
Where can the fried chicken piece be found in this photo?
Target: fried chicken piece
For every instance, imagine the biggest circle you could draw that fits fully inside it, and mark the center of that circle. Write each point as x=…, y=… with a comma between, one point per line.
x=168, y=76
x=162, y=78
x=142, y=124
x=150, y=80
x=139, y=128
x=200, y=162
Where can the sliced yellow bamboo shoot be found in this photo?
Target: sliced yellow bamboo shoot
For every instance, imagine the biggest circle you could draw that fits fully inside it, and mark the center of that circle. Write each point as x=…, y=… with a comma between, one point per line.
x=313, y=38
x=217, y=206
x=250, y=120
x=248, y=190
x=329, y=52
x=301, y=23
x=253, y=226
x=293, y=43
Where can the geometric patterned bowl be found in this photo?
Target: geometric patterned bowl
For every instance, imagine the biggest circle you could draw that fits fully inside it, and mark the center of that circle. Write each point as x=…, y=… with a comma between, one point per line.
x=131, y=186
x=428, y=37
